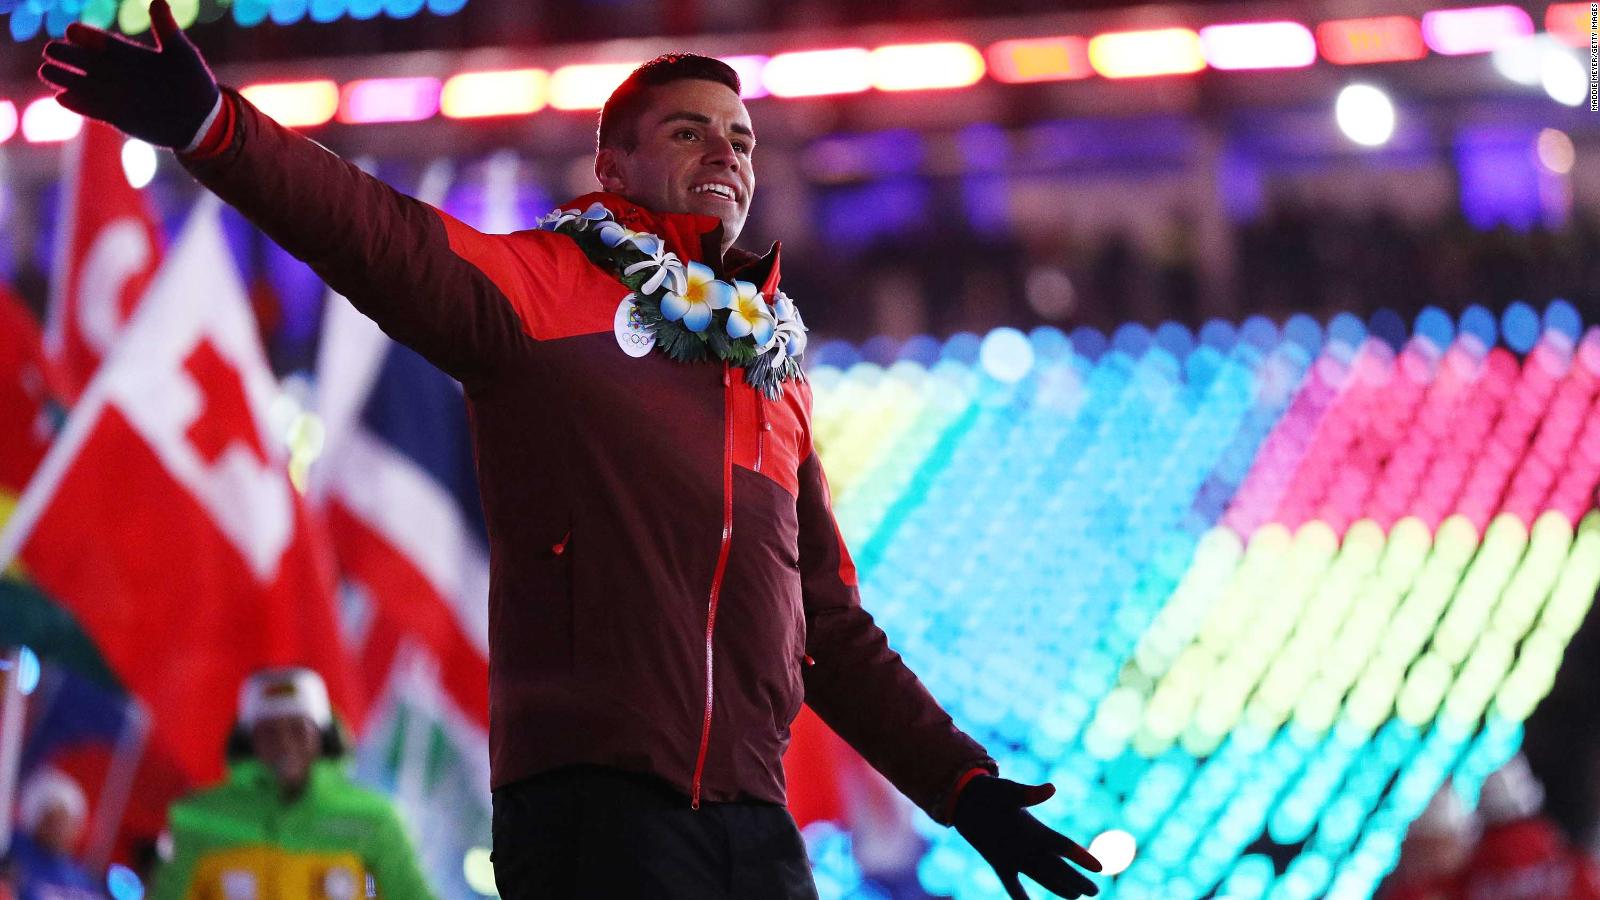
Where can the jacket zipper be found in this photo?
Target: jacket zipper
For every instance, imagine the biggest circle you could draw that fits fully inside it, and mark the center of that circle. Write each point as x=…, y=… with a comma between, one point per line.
x=761, y=432
x=716, y=577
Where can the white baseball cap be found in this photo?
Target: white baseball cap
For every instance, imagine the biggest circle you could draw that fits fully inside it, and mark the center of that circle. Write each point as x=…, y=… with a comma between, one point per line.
x=285, y=691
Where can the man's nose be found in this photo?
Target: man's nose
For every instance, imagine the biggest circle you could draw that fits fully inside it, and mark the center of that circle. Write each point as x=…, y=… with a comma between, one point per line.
x=720, y=152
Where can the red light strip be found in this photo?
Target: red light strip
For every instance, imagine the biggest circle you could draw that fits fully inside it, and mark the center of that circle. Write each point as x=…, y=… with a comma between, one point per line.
x=1349, y=42
x=1569, y=22
x=1029, y=60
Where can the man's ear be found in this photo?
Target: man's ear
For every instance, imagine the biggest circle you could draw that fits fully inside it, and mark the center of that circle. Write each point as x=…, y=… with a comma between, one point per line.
x=608, y=170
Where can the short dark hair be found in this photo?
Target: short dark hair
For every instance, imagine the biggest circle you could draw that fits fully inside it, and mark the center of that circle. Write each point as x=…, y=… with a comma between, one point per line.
x=619, y=118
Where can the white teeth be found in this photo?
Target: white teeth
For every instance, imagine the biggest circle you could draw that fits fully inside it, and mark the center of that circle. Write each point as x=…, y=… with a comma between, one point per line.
x=720, y=190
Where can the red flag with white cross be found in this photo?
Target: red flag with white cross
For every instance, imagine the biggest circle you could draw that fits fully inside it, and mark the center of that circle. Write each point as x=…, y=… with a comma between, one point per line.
x=164, y=520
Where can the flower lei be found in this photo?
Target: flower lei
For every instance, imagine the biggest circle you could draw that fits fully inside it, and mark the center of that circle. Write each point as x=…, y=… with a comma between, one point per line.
x=693, y=315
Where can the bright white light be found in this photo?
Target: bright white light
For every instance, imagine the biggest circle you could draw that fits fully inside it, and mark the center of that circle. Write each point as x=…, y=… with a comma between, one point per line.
x=479, y=871
x=1519, y=60
x=1564, y=78
x=138, y=162
x=1365, y=115
x=1006, y=354
x=1115, y=849
x=46, y=122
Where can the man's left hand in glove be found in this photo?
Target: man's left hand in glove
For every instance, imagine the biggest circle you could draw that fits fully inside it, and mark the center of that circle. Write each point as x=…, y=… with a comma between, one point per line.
x=990, y=813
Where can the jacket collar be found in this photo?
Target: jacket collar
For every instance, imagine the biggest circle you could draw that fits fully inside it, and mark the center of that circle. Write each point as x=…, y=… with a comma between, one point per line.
x=693, y=237
x=252, y=774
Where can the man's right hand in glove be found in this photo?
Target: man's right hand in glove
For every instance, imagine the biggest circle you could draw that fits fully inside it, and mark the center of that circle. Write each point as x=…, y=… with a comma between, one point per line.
x=162, y=95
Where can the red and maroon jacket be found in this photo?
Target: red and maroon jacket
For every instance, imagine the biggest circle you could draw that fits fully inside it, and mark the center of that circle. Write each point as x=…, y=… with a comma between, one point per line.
x=667, y=580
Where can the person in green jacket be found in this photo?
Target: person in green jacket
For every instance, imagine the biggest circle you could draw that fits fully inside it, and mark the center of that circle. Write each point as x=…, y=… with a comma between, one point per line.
x=287, y=823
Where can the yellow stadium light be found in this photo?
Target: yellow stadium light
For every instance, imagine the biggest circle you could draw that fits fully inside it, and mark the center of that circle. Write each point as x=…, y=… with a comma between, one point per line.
x=1141, y=54
x=922, y=67
x=587, y=86
x=296, y=104
x=482, y=95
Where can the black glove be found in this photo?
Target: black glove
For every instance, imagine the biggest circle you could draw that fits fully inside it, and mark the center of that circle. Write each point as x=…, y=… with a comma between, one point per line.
x=990, y=815
x=160, y=95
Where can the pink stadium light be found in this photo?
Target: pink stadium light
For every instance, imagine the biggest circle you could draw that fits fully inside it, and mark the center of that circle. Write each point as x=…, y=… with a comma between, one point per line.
x=923, y=67
x=389, y=100
x=1028, y=60
x=8, y=120
x=819, y=73
x=296, y=104
x=1477, y=29
x=45, y=122
x=749, y=69
x=1350, y=42
x=1258, y=45
x=585, y=87
x=482, y=95
x=1142, y=54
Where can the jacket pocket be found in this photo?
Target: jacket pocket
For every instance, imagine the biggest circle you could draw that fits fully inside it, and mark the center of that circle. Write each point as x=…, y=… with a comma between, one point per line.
x=547, y=638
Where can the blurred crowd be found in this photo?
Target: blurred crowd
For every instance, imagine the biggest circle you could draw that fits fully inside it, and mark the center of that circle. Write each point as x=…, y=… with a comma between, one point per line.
x=1505, y=849
x=1295, y=258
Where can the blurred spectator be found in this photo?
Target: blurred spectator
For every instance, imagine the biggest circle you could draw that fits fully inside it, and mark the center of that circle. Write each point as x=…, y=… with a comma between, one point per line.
x=1435, y=849
x=51, y=812
x=288, y=822
x=1522, y=855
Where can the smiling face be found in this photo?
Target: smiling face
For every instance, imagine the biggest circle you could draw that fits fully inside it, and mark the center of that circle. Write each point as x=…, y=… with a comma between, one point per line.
x=693, y=155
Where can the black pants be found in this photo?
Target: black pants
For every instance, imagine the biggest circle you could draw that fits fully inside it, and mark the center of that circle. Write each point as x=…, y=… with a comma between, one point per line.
x=590, y=832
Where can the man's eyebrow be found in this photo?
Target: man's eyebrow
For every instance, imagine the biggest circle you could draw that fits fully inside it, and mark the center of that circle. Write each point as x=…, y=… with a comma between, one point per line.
x=684, y=115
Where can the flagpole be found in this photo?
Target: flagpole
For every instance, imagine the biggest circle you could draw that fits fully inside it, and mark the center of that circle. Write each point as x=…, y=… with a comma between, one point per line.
x=12, y=705
x=118, y=786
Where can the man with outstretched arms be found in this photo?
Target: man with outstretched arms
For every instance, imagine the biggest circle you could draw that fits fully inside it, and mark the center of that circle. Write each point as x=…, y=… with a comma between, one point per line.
x=668, y=583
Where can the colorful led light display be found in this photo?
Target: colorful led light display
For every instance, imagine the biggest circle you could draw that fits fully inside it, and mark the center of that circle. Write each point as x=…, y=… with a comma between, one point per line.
x=1260, y=585
x=8, y=120
x=30, y=18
